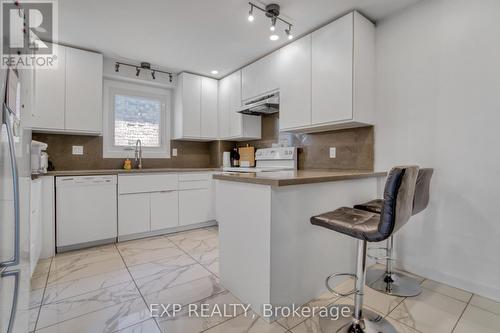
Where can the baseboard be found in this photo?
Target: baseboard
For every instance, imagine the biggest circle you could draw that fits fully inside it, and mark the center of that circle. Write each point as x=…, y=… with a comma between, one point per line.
x=166, y=231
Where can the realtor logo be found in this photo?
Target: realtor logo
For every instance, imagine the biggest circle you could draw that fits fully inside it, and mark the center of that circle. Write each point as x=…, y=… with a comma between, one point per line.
x=28, y=29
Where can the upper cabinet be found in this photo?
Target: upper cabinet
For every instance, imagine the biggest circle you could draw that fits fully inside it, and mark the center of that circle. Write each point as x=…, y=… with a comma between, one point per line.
x=69, y=98
x=341, y=72
x=294, y=74
x=234, y=125
x=195, y=108
x=260, y=77
x=83, y=91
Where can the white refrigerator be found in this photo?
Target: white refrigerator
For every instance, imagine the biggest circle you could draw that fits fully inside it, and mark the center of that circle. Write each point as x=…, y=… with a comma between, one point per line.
x=15, y=272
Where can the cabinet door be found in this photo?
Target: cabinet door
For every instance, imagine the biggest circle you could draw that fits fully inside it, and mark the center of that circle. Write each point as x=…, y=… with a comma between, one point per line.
x=191, y=105
x=209, y=99
x=235, y=128
x=259, y=77
x=83, y=91
x=224, y=119
x=50, y=90
x=195, y=206
x=164, y=210
x=133, y=213
x=294, y=73
x=332, y=65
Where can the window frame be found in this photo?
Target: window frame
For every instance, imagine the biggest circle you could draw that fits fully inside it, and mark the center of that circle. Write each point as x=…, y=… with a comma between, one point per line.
x=114, y=87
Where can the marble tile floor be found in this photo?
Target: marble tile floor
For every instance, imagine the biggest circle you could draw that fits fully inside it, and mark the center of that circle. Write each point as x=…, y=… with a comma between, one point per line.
x=109, y=289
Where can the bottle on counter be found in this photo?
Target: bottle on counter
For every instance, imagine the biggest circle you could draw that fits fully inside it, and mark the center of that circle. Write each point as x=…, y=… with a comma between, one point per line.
x=127, y=164
x=235, y=157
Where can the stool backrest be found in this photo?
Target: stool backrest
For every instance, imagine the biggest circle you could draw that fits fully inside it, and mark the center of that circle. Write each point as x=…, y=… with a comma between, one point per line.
x=398, y=199
x=421, y=199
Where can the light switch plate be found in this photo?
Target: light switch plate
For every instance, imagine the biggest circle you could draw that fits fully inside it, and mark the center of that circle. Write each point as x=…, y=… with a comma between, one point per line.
x=174, y=151
x=77, y=150
x=333, y=152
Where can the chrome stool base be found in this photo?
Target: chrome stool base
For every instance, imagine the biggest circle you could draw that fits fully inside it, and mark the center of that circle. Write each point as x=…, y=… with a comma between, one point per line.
x=395, y=284
x=371, y=322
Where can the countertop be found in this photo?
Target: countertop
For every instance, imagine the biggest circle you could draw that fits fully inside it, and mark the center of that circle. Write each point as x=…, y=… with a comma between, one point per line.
x=121, y=171
x=299, y=177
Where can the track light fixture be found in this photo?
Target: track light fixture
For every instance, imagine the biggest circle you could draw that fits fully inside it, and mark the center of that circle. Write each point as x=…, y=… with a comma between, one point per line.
x=143, y=66
x=273, y=12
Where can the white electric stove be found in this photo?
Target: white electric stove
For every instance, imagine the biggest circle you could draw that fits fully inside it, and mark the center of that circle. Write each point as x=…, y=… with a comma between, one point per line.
x=270, y=159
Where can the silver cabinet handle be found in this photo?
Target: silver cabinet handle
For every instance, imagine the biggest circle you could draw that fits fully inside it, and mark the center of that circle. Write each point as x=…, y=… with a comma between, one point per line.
x=13, y=310
x=15, y=182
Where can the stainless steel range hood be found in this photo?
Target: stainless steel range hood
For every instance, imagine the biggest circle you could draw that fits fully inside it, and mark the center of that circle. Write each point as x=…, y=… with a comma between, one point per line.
x=264, y=105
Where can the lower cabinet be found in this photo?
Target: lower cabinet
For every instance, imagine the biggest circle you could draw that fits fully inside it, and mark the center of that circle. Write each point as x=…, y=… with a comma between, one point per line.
x=133, y=213
x=151, y=203
x=195, y=206
x=164, y=210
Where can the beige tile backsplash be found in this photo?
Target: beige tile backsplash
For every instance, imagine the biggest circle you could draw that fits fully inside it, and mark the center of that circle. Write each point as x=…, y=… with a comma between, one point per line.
x=354, y=150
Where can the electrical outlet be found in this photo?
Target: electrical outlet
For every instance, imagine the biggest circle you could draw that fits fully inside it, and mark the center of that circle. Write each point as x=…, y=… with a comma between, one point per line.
x=77, y=150
x=174, y=152
x=333, y=152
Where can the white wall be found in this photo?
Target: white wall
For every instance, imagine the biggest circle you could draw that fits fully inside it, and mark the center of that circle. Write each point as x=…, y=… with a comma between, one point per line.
x=438, y=105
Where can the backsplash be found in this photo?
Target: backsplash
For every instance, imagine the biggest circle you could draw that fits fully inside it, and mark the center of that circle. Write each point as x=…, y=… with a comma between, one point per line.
x=354, y=150
x=190, y=154
x=354, y=146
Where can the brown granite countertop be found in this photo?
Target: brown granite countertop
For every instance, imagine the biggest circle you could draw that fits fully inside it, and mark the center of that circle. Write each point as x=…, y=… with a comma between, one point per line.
x=122, y=171
x=299, y=177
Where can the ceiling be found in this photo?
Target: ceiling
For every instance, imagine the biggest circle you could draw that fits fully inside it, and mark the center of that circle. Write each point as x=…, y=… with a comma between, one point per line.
x=196, y=35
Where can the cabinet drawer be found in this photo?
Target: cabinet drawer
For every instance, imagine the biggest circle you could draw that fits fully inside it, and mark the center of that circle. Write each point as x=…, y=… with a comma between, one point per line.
x=147, y=183
x=194, y=176
x=194, y=184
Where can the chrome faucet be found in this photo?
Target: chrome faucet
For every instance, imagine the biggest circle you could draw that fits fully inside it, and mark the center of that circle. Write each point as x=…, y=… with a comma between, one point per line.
x=138, y=154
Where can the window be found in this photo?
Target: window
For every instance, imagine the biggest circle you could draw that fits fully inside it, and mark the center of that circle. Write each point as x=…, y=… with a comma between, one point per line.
x=136, y=112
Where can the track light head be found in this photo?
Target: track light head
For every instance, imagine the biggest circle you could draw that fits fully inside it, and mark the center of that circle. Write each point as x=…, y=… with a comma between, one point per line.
x=289, y=33
x=170, y=77
x=117, y=67
x=273, y=24
x=250, y=14
x=153, y=75
x=137, y=71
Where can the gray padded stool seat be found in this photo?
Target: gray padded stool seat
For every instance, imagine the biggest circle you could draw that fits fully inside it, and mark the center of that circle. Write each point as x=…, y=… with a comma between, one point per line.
x=387, y=280
x=369, y=227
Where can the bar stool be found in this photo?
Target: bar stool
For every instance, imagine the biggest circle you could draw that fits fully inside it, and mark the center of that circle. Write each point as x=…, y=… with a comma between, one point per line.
x=387, y=280
x=369, y=227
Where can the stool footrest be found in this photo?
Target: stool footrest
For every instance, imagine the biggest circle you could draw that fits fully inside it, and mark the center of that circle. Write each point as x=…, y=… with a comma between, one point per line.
x=333, y=291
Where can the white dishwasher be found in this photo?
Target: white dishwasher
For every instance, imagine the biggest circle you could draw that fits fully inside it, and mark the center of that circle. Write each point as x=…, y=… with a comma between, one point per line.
x=86, y=211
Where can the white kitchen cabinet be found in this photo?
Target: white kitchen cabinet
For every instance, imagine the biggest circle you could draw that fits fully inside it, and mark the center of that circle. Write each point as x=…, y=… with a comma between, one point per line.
x=332, y=62
x=337, y=89
x=343, y=56
x=209, y=104
x=294, y=74
x=195, y=108
x=83, y=91
x=35, y=205
x=234, y=125
x=195, y=206
x=260, y=77
x=164, y=210
x=133, y=214
x=48, y=110
x=68, y=98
